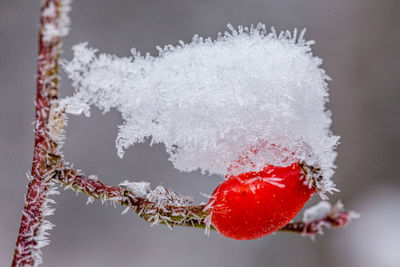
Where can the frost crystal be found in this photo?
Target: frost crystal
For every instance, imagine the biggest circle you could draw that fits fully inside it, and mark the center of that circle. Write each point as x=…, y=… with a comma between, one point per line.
x=163, y=196
x=140, y=189
x=317, y=212
x=159, y=195
x=56, y=28
x=249, y=94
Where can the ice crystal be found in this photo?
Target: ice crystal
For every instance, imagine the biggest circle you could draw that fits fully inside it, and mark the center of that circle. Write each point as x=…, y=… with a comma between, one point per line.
x=317, y=212
x=34, y=222
x=56, y=28
x=160, y=195
x=251, y=94
x=324, y=215
x=140, y=189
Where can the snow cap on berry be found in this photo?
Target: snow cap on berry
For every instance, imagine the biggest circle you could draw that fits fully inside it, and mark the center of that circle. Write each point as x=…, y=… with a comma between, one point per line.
x=252, y=94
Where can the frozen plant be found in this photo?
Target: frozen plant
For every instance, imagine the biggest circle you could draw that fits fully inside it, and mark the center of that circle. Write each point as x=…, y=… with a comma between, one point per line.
x=249, y=105
x=211, y=101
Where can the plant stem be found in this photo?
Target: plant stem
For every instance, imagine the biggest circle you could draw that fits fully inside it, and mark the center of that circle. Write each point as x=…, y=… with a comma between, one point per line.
x=151, y=211
x=48, y=133
x=192, y=215
x=47, y=165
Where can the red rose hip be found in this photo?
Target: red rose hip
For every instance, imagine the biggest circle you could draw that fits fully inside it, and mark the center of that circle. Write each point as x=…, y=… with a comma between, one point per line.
x=254, y=204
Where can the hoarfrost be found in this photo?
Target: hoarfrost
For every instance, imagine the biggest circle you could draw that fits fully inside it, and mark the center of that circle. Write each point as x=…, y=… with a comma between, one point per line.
x=317, y=212
x=159, y=195
x=60, y=27
x=140, y=189
x=162, y=196
x=251, y=93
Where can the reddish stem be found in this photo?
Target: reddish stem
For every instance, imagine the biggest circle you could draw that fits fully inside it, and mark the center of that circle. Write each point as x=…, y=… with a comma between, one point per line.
x=47, y=165
x=151, y=211
x=194, y=215
x=339, y=219
x=28, y=241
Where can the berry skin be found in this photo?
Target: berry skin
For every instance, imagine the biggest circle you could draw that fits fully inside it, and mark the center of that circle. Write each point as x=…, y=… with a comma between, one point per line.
x=254, y=204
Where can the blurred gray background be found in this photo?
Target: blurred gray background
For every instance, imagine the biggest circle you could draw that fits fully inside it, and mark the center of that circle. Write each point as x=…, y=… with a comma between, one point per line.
x=359, y=42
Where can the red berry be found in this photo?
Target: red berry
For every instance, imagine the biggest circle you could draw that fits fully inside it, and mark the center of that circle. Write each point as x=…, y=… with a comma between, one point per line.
x=254, y=204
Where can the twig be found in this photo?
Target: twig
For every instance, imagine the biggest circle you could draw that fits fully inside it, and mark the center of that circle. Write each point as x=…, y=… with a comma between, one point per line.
x=337, y=217
x=154, y=212
x=190, y=215
x=48, y=136
x=47, y=166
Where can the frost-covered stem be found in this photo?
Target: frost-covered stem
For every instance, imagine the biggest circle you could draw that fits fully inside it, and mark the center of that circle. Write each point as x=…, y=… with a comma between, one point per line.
x=170, y=215
x=152, y=212
x=337, y=217
x=48, y=135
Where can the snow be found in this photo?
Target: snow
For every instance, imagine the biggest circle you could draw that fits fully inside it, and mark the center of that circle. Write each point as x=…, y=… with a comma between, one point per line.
x=252, y=94
x=317, y=212
x=162, y=196
x=159, y=195
x=140, y=189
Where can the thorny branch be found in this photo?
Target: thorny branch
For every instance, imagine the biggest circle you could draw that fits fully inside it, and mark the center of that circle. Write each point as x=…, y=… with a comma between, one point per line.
x=337, y=217
x=48, y=128
x=189, y=215
x=48, y=167
x=154, y=211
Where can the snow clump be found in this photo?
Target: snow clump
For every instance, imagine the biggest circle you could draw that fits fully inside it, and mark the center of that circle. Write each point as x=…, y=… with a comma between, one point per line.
x=250, y=93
